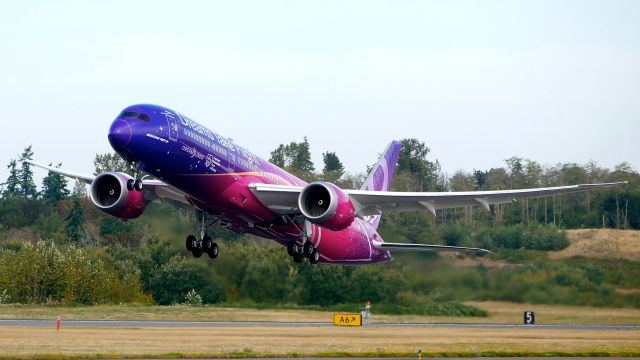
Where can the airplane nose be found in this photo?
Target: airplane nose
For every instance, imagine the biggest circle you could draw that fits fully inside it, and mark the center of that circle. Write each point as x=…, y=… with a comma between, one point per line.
x=119, y=133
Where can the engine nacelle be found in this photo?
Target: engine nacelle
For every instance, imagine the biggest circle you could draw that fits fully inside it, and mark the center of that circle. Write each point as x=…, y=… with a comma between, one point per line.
x=326, y=205
x=110, y=194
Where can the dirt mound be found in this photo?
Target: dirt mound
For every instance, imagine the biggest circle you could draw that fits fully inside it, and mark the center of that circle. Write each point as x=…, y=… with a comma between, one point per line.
x=601, y=244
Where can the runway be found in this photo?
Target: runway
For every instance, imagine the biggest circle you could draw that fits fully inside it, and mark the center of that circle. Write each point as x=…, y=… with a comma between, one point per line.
x=222, y=324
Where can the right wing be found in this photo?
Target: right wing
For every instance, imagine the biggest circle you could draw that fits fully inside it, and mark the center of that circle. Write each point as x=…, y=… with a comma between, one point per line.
x=284, y=199
x=375, y=202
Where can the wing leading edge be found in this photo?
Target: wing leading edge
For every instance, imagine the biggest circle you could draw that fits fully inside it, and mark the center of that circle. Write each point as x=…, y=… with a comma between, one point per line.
x=284, y=199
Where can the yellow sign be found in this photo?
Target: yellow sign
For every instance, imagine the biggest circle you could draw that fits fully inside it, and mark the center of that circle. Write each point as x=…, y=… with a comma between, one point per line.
x=347, y=319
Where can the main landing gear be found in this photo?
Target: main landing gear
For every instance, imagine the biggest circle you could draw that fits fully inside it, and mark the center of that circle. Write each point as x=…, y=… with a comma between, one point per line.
x=206, y=244
x=199, y=247
x=298, y=252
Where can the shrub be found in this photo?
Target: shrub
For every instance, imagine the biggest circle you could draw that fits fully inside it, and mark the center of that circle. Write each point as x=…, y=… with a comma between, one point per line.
x=4, y=297
x=192, y=298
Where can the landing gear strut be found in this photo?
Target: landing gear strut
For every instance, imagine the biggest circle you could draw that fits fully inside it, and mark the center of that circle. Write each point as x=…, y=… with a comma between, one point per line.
x=206, y=244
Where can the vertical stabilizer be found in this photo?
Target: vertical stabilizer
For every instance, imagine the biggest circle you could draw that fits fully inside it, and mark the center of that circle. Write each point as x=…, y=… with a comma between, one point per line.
x=381, y=176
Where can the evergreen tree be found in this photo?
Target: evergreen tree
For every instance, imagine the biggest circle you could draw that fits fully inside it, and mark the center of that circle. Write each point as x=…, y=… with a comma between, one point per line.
x=54, y=188
x=79, y=189
x=12, y=186
x=295, y=158
x=27, y=185
x=300, y=156
x=73, y=221
x=333, y=168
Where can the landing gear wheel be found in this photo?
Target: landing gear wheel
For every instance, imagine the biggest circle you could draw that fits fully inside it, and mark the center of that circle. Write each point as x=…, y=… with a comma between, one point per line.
x=191, y=242
x=196, y=252
x=130, y=184
x=291, y=248
x=315, y=257
x=308, y=249
x=137, y=185
x=206, y=243
x=297, y=258
x=213, y=252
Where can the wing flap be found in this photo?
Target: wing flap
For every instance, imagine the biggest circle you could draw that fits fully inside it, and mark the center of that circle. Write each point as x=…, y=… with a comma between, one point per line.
x=281, y=199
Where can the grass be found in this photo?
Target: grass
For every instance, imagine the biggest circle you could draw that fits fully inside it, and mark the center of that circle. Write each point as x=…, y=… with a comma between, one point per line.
x=499, y=312
x=601, y=244
x=310, y=341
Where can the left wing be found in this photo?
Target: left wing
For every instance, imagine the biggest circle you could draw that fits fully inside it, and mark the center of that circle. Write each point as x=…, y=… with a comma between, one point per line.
x=80, y=177
x=284, y=199
x=155, y=188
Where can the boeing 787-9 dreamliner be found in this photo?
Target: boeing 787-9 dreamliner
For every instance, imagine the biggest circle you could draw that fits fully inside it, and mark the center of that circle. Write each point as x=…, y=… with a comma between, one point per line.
x=225, y=183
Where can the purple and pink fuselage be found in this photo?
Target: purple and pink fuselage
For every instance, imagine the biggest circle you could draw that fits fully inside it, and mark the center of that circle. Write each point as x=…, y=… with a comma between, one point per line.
x=214, y=173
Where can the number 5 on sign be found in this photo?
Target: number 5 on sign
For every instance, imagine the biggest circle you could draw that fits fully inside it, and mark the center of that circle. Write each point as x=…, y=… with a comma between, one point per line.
x=529, y=318
x=347, y=319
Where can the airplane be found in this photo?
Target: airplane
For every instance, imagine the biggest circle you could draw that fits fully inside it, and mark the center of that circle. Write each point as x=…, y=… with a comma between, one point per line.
x=189, y=166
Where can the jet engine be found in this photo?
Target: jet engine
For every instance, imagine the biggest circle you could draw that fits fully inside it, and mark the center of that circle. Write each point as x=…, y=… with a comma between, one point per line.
x=110, y=194
x=325, y=204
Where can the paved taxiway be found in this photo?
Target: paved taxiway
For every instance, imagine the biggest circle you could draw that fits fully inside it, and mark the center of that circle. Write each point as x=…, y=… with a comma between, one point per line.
x=212, y=324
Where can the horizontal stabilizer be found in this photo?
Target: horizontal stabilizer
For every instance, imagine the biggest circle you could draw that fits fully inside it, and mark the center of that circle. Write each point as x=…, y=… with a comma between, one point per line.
x=425, y=247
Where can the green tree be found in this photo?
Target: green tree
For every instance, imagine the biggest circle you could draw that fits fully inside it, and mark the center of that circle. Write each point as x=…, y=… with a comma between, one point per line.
x=422, y=174
x=54, y=187
x=27, y=185
x=112, y=162
x=79, y=189
x=295, y=158
x=74, y=220
x=12, y=186
x=173, y=280
x=278, y=156
x=333, y=168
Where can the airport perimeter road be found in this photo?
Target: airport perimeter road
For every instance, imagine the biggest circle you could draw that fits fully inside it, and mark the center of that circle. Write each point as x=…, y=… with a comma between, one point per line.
x=192, y=324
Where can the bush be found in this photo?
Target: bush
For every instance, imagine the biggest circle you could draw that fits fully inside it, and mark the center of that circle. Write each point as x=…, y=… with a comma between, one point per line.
x=192, y=298
x=4, y=297
x=171, y=282
x=532, y=237
x=44, y=273
x=453, y=309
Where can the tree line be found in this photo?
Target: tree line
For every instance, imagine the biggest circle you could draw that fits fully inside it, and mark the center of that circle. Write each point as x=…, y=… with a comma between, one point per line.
x=51, y=236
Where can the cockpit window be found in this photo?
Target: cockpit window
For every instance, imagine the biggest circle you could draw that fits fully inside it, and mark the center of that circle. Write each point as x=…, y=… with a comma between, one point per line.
x=131, y=114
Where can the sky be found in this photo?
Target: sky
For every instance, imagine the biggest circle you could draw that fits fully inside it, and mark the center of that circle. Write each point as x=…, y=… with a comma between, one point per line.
x=477, y=81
